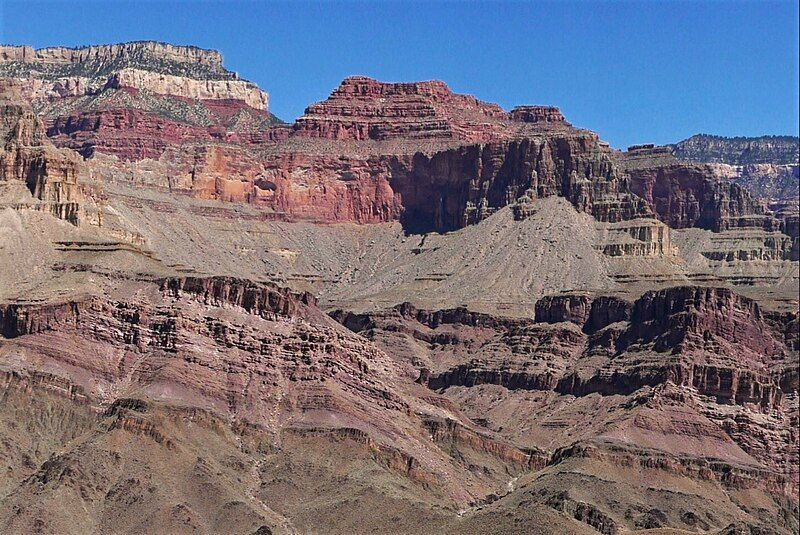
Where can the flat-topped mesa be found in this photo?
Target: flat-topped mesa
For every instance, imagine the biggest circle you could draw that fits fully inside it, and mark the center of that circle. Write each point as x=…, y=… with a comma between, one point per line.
x=181, y=71
x=365, y=109
x=775, y=150
x=131, y=51
x=541, y=115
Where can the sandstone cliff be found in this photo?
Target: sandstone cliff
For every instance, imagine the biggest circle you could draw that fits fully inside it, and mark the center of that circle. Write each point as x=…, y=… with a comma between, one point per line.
x=181, y=71
x=33, y=173
x=414, y=152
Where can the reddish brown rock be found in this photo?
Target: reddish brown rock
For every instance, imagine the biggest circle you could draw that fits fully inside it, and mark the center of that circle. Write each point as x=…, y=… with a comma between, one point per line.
x=134, y=134
x=363, y=108
x=685, y=195
x=27, y=158
x=688, y=318
x=589, y=313
x=681, y=373
x=255, y=354
x=417, y=152
x=538, y=114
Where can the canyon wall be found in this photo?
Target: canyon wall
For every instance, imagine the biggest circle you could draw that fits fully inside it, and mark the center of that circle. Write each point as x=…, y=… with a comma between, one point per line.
x=33, y=172
x=375, y=152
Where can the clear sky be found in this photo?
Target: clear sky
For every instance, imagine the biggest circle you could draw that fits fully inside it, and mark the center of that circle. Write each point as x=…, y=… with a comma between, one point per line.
x=635, y=72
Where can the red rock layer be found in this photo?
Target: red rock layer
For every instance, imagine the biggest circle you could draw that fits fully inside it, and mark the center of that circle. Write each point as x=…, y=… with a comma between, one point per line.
x=258, y=355
x=701, y=363
x=362, y=109
x=136, y=134
x=712, y=339
x=450, y=188
x=416, y=152
x=687, y=318
x=685, y=195
x=538, y=114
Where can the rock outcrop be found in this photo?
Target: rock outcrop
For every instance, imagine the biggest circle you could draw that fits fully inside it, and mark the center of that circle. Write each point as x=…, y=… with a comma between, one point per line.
x=145, y=52
x=685, y=195
x=259, y=356
x=538, y=114
x=134, y=99
x=164, y=69
x=375, y=152
x=776, y=150
x=683, y=366
x=768, y=166
x=362, y=109
x=33, y=173
x=588, y=312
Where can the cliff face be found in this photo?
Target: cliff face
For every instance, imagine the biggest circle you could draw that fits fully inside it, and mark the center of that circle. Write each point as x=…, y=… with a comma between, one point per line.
x=776, y=150
x=700, y=332
x=373, y=151
x=262, y=359
x=770, y=182
x=768, y=166
x=689, y=319
x=187, y=72
x=176, y=88
x=685, y=195
x=362, y=108
x=416, y=152
x=694, y=365
x=137, y=51
x=27, y=158
x=705, y=329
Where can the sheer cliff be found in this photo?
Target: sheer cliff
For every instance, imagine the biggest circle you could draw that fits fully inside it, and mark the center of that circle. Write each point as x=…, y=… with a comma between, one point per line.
x=408, y=311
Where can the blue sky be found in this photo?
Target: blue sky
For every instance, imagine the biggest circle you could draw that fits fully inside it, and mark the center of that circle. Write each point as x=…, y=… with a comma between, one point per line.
x=635, y=72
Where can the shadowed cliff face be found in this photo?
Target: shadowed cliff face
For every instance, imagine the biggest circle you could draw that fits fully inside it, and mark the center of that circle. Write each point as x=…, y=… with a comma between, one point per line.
x=376, y=152
x=528, y=329
x=458, y=187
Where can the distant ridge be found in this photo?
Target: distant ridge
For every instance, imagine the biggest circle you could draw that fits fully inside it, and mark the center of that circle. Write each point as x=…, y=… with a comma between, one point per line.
x=706, y=148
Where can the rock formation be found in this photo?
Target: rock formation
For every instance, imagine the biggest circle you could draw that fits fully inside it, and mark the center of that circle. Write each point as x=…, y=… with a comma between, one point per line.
x=714, y=354
x=121, y=99
x=183, y=71
x=409, y=311
x=776, y=150
x=378, y=151
x=768, y=166
x=28, y=161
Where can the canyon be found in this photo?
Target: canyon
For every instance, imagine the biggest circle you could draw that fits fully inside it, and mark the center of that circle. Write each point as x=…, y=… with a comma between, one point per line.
x=407, y=311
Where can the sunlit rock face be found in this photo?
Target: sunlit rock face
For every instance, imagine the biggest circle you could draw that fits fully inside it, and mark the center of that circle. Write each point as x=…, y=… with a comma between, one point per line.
x=409, y=311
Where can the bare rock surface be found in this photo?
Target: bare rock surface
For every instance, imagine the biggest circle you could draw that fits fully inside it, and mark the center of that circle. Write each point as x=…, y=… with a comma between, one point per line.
x=409, y=311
